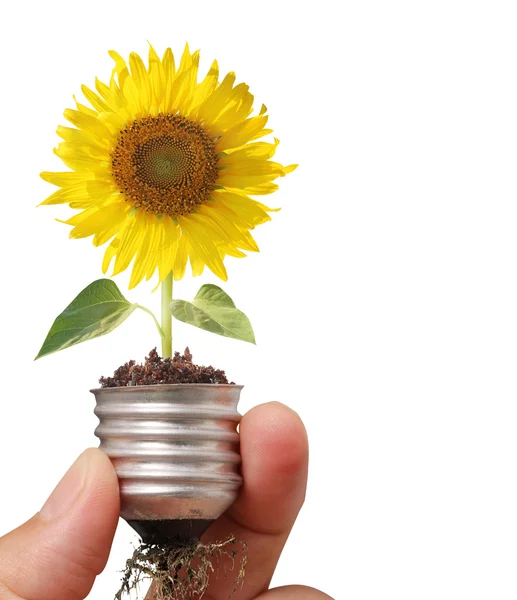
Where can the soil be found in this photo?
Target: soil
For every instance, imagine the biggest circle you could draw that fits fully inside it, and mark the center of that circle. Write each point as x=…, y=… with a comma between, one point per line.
x=156, y=370
x=168, y=531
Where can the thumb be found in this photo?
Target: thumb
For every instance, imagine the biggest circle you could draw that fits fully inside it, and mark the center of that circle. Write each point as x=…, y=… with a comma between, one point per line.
x=58, y=553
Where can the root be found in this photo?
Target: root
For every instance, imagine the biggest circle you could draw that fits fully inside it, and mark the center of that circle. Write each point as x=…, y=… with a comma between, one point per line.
x=182, y=571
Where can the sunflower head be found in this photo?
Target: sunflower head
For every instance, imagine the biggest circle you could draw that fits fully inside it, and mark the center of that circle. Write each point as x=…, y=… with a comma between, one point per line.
x=162, y=166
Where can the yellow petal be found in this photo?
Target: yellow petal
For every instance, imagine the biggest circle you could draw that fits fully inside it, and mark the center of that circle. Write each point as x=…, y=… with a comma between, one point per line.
x=66, y=178
x=252, y=166
x=85, y=109
x=94, y=99
x=169, y=247
x=153, y=57
x=113, y=96
x=81, y=151
x=132, y=96
x=131, y=238
x=110, y=252
x=157, y=78
x=254, y=150
x=251, y=173
x=180, y=263
x=205, y=88
x=84, y=192
x=88, y=123
x=154, y=255
x=210, y=109
x=169, y=70
x=245, y=209
x=120, y=69
x=146, y=252
x=102, y=223
x=105, y=233
x=78, y=136
x=238, y=237
x=201, y=238
x=231, y=251
x=185, y=82
x=169, y=66
x=236, y=113
x=260, y=134
x=245, y=181
x=142, y=82
x=115, y=122
x=258, y=190
x=196, y=263
x=100, y=168
x=241, y=133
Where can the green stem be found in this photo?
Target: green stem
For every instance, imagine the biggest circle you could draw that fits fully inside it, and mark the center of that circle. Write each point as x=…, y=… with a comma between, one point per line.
x=167, y=316
x=149, y=312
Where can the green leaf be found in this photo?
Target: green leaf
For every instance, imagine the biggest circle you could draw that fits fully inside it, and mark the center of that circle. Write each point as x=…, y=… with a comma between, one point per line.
x=213, y=310
x=97, y=310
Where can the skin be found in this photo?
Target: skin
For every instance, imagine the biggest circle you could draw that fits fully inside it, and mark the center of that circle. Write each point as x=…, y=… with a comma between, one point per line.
x=57, y=554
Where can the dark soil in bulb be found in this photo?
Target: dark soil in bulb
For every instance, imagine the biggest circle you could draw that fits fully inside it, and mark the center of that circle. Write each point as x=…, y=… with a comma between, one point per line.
x=157, y=370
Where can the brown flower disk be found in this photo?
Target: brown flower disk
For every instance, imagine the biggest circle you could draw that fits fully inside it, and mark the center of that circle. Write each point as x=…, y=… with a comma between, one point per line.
x=165, y=164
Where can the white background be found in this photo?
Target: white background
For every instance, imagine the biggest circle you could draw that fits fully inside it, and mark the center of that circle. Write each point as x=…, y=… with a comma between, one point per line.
x=384, y=298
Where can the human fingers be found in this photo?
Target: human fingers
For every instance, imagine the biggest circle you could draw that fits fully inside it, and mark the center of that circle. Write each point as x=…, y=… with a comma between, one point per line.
x=294, y=592
x=57, y=554
x=274, y=452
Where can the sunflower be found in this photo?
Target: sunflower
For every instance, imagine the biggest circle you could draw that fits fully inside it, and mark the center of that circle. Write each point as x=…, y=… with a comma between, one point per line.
x=163, y=167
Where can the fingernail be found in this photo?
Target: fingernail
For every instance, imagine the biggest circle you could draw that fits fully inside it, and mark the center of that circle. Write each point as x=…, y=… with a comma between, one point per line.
x=67, y=491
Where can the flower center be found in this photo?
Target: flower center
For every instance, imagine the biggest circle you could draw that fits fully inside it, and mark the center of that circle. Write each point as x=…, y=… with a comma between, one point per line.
x=165, y=164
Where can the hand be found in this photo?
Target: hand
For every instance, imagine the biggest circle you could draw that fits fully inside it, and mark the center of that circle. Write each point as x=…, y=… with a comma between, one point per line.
x=58, y=553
